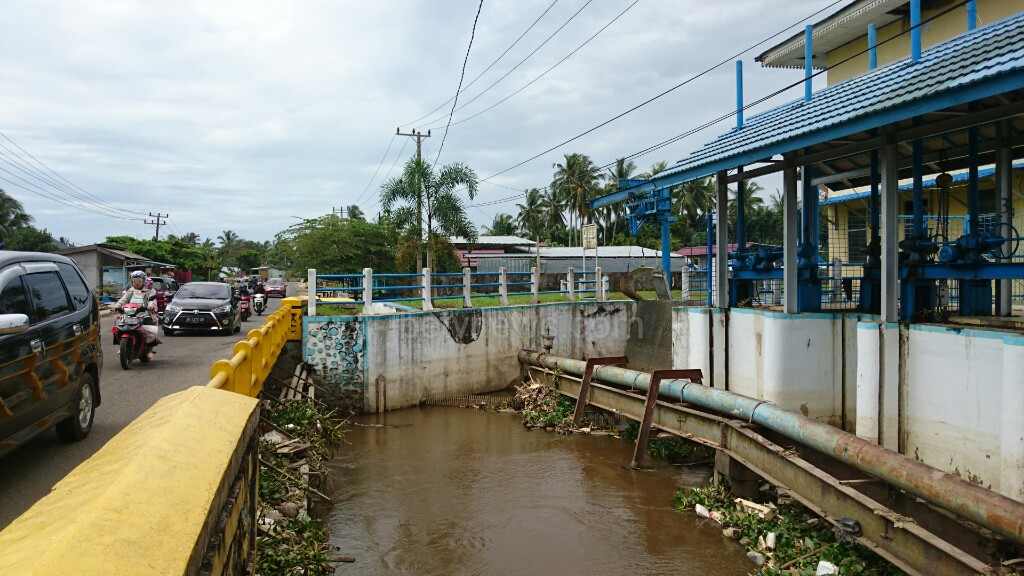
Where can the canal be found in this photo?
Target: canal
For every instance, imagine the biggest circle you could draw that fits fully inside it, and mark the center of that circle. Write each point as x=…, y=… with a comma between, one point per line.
x=462, y=491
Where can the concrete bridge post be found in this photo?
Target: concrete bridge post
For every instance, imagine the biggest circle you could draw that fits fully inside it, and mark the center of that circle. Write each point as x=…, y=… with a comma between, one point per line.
x=570, y=284
x=367, y=287
x=535, y=287
x=503, y=285
x=428, y=301
x=467, y=288
x=743, y=480
x=311, y=282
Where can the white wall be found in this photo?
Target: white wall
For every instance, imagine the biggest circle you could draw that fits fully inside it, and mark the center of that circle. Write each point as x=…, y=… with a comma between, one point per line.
x=950, y=397
x=464, y=351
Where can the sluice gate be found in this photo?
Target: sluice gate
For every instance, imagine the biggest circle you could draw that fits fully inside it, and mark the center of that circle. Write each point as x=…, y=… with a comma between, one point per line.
x=921, y=519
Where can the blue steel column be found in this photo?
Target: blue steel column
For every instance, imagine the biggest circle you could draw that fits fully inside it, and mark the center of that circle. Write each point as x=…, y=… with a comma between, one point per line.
x=808, y=60
x=741, y=186
x=915, y=30
x=871, y=285
x=872, y=47
x=975, y=295
x=666, y=250
x=808, y=287
x=972, y=15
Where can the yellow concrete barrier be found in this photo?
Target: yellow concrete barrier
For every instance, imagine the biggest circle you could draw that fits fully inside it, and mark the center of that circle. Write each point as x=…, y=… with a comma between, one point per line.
x=164, y=496
x=252, y=359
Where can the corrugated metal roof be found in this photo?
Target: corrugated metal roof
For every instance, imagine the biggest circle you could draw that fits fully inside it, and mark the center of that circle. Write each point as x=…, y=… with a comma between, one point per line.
x=993, y=54
x=496, y=240
x=577, y=252
x=958, y=178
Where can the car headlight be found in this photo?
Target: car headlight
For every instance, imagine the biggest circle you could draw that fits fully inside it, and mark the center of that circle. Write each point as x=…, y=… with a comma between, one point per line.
x=172, y=308
x=222, y=309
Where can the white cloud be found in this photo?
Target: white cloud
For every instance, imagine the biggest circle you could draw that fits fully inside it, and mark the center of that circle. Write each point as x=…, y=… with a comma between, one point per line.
x=237, y=115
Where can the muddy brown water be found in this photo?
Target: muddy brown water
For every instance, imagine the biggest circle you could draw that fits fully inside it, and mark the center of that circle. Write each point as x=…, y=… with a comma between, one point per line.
x=463, y=491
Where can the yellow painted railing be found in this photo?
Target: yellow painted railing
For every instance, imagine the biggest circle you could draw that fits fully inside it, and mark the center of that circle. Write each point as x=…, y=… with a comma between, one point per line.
x=245, y=372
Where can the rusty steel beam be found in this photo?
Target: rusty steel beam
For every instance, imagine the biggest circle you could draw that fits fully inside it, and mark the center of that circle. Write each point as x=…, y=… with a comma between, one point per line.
x=895, y=537
x=986, y=508
x=644, y=435
x=588, y=373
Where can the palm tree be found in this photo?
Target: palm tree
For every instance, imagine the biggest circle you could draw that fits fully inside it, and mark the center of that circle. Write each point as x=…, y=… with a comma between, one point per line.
x=502, y=225
x=577, y=180
x=227, y=238
x=12, y=215
x=614, y=213
x=694, y=198
x=443, y=208
x=355, y=212
x=531, y=214
x=552, y=208
x=656, y=168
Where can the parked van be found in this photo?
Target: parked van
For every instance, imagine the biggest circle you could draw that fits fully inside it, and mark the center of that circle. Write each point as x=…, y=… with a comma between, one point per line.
x=50, y=355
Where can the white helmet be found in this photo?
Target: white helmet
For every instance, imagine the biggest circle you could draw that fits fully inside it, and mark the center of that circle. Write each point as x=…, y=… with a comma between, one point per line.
x=138, y=274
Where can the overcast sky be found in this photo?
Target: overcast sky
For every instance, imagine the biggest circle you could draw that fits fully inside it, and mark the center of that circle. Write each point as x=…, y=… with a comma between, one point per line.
x=240, y=115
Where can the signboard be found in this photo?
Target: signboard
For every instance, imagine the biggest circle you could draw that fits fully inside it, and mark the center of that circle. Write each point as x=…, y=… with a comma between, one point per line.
x=590, y=236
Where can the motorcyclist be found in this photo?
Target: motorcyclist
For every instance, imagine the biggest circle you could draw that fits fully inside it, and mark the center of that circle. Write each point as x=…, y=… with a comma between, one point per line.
x=145, y=296
x=259, y=288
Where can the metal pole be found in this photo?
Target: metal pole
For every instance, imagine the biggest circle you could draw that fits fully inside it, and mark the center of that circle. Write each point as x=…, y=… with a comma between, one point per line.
x=709, y=215
x=808, y=60
x=789, y=244
x=972, y=15
x=915, y=30
x=739, y=94
x=890, y=236
x=872, y=47
x=722, y=243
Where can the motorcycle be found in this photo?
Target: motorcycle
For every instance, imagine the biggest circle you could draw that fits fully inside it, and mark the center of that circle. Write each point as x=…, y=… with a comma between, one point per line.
x=246, y=311
x=259, y=303
x=130, y=333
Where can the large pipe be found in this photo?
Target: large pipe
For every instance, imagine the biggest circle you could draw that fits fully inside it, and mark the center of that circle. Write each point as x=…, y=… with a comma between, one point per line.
x=986, y=508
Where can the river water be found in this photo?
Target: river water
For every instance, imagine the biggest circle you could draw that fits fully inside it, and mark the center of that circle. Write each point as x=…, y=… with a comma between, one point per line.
x=462, y=491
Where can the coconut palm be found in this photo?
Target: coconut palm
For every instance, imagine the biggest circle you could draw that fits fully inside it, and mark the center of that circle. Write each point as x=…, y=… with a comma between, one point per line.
x=695, y=198
x=531, y=217
x=551, y=206
x=355, y=212
x=577, y=181
x=656, y=168
x=12, y=215
x=614, y=213
x=502, y=225
x=444, y=210
x=227, y=238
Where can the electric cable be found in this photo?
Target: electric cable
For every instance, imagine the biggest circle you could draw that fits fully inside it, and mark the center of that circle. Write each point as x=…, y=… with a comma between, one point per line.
x=375, y=172
x=472, y=35
x=491, y=65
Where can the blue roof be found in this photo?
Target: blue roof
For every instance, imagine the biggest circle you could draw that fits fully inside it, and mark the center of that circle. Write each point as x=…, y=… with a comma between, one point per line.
x=975, y=65
x=928, y=183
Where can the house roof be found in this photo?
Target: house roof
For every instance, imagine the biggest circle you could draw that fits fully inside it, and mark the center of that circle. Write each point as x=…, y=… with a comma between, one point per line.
x=114, y=252
x=577, y=252
x=976, y=75
x=494, y=240
x=958, y=178
x=841, y=27
x=989, y=60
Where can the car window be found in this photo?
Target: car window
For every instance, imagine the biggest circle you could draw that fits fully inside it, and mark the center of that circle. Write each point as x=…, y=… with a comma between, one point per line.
x=49, y=299
x=158, y=284
x=80, y=293
x=210, y=291
x=13, y=299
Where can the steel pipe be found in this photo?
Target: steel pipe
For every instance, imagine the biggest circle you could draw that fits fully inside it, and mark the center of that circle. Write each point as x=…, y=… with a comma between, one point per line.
x=986, y=508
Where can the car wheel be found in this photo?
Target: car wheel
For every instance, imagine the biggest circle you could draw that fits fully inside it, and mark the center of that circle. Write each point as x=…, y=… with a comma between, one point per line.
x=79, y=424
x=125, y=354
x=168, y=332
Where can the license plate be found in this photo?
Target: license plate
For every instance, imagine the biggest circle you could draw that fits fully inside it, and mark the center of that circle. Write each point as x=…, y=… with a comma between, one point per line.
x=195, y=320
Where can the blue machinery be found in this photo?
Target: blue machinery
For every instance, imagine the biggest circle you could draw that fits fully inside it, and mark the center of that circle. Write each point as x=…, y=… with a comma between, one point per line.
x=924, y=261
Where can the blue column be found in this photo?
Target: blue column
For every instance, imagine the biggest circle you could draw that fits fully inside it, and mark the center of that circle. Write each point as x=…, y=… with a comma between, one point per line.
x=666, y=249
x=872, y=47
x=808, y=60
x=972, y=15
x=915, y=30
x=973, y=202
x=918, y=171
x=741, y=217
x=739, y=94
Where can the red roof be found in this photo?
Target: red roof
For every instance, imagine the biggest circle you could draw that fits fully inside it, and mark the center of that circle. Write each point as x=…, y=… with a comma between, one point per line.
x=702, y=250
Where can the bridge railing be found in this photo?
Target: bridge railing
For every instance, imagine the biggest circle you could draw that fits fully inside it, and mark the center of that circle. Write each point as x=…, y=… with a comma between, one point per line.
x=252, y=358
x=427, y=287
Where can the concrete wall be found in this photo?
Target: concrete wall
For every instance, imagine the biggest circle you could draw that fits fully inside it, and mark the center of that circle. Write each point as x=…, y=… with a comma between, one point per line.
x=947, y=396
x=802, y=362
x=399, y=359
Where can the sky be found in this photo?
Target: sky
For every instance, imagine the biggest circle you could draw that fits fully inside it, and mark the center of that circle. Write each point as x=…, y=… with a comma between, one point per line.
x=248, y=116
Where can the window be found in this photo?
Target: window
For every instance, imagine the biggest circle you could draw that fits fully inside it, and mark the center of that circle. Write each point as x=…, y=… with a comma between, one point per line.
x=856, y=236
x=49, y=299
x=80, y=293
x=12, y=298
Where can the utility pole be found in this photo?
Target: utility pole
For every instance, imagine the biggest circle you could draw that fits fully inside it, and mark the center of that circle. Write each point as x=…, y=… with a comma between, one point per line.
x=419, y=194
x=157, y=217
x=338, y=212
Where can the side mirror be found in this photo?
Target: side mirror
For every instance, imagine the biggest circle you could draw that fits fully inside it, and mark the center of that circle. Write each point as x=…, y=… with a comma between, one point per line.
x=13, y=324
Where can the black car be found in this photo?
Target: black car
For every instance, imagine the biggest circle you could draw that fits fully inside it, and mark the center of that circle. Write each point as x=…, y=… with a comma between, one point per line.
x=50, y=355
x=208, y=306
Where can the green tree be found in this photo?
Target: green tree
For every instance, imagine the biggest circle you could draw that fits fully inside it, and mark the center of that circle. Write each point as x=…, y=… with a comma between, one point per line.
x=12, y=215
x=577, y=181
x=444, y=210
x=502, y=225
x=353, y=245
x=355, y=212
x=249, y=259
x=30, y=239
x=531, y=214
x=614, y=214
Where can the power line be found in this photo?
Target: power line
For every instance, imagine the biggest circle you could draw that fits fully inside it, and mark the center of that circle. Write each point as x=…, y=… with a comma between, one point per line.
x=157, y=217
x=489, y=66
x=55, y=173
x=521, y=62
x=44, y=194
x=375, y=172
x=530, y=83
x=472, y=35
x=385, y=179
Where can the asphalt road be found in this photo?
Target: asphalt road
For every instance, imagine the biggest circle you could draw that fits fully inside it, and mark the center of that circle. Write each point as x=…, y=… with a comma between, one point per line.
x=182, y=361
